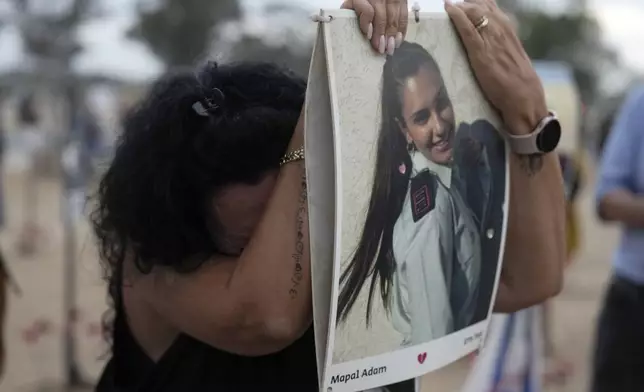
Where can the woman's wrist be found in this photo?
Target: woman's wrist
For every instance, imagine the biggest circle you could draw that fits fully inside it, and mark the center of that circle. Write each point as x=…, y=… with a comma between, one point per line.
x=297, y=142
x=524, y=122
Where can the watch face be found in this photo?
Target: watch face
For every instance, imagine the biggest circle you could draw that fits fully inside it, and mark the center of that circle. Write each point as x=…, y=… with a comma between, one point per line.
x=549, y=137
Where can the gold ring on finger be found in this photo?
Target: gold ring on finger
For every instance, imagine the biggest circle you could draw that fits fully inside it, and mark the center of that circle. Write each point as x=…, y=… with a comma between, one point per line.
x=482, y=23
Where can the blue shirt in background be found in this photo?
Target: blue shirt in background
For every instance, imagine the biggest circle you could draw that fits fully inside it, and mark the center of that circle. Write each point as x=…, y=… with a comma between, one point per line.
x=622, y=167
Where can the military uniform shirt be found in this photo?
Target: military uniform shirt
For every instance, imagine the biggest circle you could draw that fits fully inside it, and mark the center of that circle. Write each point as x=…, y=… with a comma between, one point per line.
x=430, y=255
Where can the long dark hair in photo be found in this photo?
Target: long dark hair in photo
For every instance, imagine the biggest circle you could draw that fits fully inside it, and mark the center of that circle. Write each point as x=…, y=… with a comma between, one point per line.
x=374, y=258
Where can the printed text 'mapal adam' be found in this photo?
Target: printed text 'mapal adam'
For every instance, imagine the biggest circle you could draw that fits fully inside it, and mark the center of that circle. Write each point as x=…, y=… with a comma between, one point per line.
x=372, y=371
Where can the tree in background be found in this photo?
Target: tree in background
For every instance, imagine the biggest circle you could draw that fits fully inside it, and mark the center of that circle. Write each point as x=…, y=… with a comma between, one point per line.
x=287, y=43
x=509, y=6
x=573, y=39
x=179, y=31
x=51, y=35
x=253, y=48
x=572, y=36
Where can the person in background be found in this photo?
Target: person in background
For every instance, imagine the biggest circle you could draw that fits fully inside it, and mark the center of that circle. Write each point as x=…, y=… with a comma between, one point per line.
x=34, y=143
x=4, y=272
x=7, y=280
x=83, y=148
x=4, y=289
x=557, y=370
x=202, y=224
x=572, y=168
x=619, y=346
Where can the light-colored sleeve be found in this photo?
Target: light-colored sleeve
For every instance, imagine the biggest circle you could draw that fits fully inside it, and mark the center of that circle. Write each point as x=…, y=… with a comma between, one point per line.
x=430, y=311
x=620, y=156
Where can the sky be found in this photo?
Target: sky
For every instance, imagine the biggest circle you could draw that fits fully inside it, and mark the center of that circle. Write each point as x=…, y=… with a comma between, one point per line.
x=109, y=52
x=622, y=21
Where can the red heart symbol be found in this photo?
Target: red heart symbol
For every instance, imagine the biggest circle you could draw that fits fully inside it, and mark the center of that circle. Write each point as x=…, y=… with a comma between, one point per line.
x=422, y=357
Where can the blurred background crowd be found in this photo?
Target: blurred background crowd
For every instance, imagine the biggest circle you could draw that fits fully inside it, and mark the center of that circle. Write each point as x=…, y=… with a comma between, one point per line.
x=70, y=68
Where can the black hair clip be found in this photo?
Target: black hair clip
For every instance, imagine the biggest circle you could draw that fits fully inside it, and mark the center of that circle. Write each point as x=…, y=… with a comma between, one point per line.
x=209, y=104
x=200, y=109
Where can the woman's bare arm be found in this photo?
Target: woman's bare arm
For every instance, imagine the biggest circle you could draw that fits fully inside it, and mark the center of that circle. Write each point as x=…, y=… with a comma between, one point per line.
x=261, y=302
x=535, y=242
x=535, y=248
x=615, y=199
x=622, y=206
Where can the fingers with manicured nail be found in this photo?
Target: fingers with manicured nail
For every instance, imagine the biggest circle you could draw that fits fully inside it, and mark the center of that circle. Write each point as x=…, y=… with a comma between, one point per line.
x=393, y=24
x=365, y=13
x=403, y=23
x=379, y=40
x=383, y=22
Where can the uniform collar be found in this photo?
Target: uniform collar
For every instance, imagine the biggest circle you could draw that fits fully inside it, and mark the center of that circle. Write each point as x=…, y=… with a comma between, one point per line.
x=420, y=163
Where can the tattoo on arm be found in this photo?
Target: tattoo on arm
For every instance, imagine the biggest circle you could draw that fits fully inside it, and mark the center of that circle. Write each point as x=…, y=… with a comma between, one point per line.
x=298, y=253
x=531, y=164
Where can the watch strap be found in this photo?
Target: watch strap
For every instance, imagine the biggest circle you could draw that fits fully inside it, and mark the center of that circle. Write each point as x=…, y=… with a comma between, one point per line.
x=528, y=144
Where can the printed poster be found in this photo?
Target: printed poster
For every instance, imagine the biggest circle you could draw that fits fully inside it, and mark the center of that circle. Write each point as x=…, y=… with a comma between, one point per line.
x=408, y=181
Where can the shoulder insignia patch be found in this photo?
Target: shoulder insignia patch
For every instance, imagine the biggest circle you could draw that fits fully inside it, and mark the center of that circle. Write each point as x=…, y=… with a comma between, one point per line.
x=423, y=194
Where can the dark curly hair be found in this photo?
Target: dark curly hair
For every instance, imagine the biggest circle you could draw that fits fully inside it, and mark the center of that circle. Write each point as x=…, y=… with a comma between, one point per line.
x=153, y=202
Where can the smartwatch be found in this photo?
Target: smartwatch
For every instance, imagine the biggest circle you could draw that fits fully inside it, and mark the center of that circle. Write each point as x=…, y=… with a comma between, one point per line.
x=542, y=140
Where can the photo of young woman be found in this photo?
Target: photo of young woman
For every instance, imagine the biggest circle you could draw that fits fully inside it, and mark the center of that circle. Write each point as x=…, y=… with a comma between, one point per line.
x=432, y=233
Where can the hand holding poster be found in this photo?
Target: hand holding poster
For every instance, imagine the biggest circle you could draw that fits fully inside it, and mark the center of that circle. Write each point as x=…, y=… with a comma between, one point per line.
x=408, y=218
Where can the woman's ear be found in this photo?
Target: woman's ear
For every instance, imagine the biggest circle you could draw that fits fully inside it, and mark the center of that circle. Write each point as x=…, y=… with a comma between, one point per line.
x=402, y=128
x=408, y=138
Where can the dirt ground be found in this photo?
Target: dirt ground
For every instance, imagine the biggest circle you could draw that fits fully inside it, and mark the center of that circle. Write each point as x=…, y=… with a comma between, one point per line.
x=35, y=362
